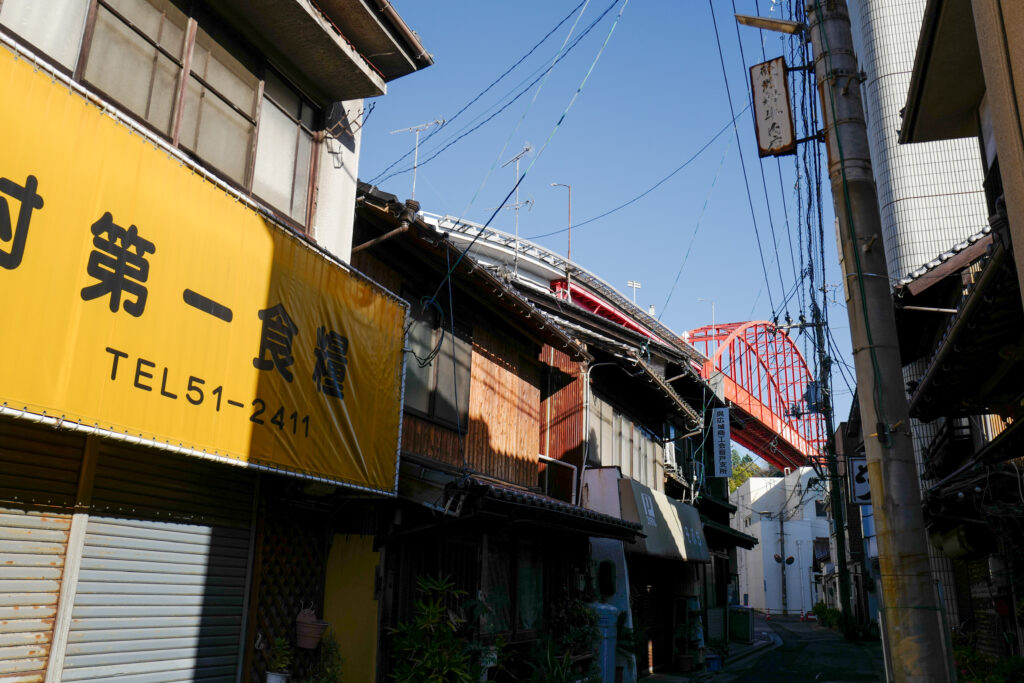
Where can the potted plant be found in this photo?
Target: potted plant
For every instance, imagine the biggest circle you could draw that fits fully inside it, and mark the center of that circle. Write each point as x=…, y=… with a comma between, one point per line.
x=308, y=629
x=278, y=661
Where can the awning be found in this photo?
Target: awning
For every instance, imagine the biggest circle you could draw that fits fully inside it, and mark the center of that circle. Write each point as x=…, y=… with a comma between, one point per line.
x=673, y=530
x=727, y=534
x=463, y=497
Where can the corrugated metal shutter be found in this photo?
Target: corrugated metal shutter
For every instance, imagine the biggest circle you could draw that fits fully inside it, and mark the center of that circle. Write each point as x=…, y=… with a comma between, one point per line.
x=39, y=470
x=162, y=585
x=716, y=622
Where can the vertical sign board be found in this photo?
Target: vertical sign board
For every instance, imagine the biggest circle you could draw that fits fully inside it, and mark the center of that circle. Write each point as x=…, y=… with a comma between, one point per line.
x=140, y=298
x=721, y=442
x=857, y=475
x=773, y=114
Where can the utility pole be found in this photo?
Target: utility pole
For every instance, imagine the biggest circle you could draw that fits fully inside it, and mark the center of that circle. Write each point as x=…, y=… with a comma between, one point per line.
x=913, y=633
x=836, y=490
x=782, y=553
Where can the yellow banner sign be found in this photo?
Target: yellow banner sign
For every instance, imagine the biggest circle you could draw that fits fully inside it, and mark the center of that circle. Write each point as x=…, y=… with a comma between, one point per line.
x=140, y=298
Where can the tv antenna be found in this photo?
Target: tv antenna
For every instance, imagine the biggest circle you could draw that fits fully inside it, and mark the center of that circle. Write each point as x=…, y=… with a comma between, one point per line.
x=527, y=148
x=416, y=150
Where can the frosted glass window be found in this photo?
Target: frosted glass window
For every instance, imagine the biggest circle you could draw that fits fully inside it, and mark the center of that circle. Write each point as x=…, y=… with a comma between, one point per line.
x=284, y=149
x=139, y=67
x=218, y=122
x=55, y=27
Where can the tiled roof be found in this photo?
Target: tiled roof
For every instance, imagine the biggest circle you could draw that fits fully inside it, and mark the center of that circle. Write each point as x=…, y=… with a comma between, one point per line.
x=943, y=257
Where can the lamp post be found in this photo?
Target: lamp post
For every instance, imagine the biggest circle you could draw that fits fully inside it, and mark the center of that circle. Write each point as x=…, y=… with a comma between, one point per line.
x=568, y=253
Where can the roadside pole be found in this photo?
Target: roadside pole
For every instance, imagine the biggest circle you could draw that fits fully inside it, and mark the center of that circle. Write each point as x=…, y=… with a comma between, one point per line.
x=913, y=633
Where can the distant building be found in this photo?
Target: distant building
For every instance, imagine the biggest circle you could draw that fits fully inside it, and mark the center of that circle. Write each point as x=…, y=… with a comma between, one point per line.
x=789, y=518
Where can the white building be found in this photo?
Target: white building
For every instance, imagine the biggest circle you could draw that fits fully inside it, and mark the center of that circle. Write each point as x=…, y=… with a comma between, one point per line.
x=787, y=515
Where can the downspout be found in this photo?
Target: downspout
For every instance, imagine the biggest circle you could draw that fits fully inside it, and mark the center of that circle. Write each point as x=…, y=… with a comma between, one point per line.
x=586, y=423
x=405, y=221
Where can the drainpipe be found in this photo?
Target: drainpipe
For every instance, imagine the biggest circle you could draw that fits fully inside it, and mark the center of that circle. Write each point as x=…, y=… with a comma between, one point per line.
x=586, y=421
x=421, y=56
x=408, y=216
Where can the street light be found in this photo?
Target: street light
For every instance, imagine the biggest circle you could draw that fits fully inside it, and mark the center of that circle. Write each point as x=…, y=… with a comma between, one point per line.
x=568, y=254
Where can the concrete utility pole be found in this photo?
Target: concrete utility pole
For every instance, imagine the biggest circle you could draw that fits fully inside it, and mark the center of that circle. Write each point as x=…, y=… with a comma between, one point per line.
x=782, y=554
x=913, y=630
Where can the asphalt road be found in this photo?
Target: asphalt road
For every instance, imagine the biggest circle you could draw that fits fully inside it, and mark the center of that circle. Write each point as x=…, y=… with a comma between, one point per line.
x=808, y=653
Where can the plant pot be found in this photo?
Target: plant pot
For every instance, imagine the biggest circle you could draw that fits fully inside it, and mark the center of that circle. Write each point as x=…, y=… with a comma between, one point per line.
x=274, y=677
x=308, y=633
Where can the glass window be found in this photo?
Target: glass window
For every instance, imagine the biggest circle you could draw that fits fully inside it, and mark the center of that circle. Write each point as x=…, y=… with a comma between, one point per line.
x=218, y=122
x=438, y=370
x=135, y=57
x=54, y=27
x=284, y=150
x=417, y=375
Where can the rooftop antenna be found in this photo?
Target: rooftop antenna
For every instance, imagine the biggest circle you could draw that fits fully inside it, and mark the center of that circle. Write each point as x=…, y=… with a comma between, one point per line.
x=416, y=150
x=635, y=285
x=527, y=148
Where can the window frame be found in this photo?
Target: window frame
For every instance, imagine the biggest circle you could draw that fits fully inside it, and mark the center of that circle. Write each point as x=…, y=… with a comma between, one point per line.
x=198, y=16
x=463, y=335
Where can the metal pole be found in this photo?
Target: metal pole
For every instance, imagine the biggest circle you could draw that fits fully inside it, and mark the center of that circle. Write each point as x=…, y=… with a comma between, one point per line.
x=912, y=634
x=836, y=488
x=782, y=551
x=568, y=254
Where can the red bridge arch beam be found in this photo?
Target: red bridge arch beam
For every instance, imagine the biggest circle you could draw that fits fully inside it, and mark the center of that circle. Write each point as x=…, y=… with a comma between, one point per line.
x=765, y=378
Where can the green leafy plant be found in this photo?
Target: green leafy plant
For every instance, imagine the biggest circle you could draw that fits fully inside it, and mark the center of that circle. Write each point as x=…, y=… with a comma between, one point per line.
x=280, y=656
x=720, y=646
x=568, y=644
x=552, y=668
x=436, y=644
x=328, y=668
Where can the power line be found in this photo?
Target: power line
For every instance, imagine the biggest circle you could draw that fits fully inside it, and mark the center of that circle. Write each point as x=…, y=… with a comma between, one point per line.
x=515, y=98
x=760, y=167
x=483, y=92
x=649, y=190
x=746, y=180
x=554, y=130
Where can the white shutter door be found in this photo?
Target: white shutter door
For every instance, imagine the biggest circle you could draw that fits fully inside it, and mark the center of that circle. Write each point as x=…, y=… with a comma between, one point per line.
x=161, y=591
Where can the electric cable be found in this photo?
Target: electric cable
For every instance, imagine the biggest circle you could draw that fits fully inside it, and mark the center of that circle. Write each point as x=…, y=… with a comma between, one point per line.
x=743, y=166
x=652, y=188
x=551, y=135
x=760, y=166
x=483, y=92
x=848, y=208
x=508, y=104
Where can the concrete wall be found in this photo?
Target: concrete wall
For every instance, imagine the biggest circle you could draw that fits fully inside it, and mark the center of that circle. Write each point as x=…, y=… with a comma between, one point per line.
x=760, y=576
x=334, y=212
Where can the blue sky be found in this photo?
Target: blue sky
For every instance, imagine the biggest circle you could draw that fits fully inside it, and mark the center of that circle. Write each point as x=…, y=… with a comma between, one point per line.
x=652, y=95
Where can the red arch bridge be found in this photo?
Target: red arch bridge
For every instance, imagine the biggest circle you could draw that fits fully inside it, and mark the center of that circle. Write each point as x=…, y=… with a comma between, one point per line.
x=774, y=400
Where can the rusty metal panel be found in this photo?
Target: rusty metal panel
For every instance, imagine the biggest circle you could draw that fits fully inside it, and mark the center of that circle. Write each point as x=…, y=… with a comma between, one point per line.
x=561, y=413
x=32, y=547
x=161, y=589
x=38, y=482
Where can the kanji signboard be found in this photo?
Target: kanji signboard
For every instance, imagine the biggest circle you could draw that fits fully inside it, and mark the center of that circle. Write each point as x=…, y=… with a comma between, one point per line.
x=773, y=114
x=721, y=443
x=140, y=298
x=857, y=475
